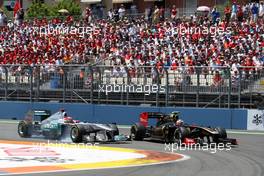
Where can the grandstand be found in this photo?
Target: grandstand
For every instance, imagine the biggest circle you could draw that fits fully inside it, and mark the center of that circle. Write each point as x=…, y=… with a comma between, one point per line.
x=222, y=67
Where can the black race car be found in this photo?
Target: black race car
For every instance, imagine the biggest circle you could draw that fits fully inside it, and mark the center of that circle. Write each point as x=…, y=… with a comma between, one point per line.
x=58, y=125
x=168, y=130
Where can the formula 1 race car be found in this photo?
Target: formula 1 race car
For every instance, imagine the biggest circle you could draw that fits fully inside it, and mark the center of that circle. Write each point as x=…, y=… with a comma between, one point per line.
x=58, y=125
x=169, y=130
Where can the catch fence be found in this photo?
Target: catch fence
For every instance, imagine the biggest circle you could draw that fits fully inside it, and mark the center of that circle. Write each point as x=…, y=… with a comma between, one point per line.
x=159, y=86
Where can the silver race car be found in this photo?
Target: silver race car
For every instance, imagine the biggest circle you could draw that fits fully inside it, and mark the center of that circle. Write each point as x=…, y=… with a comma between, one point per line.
x=58, y=125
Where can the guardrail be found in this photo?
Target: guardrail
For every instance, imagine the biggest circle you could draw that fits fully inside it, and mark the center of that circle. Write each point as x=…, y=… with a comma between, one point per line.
x=147, y=85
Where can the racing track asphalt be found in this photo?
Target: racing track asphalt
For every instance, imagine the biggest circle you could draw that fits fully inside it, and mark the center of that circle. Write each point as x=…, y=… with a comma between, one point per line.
x=245, y=160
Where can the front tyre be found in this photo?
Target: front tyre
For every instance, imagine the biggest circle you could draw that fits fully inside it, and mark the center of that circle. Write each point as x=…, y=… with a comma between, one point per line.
x=24, y=130
x=137, y=132
x=76, y=134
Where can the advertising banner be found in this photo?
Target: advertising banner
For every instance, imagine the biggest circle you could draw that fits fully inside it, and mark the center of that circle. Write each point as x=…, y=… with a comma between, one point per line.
x=255, y=120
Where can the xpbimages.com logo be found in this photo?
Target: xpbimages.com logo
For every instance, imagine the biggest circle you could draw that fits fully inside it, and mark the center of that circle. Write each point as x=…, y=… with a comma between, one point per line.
x=146, y=89
x=44, y=147
x=211, y=147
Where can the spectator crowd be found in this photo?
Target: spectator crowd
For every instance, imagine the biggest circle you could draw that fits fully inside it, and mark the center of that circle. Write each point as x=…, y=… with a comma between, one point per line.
x=233, y=40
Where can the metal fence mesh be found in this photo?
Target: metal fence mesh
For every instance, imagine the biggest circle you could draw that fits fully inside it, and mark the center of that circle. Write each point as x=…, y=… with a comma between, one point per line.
x=126, y=85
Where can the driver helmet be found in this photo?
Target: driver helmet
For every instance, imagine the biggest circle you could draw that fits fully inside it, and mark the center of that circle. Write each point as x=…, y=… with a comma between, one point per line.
x=64, y=113
x=175, y=115
x=179, y=122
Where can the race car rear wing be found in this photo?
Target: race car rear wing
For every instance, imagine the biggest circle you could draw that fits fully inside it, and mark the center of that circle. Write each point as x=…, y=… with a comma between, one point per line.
x=144, y=116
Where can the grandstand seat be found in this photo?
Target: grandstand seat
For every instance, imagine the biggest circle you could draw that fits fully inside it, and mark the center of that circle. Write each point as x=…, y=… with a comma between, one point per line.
x=171, y=81
x=11, y=79
x=134, y=80
x=203, y=81
x=120, y=80
x=141, y=81
x=194, y=79
x=24, y=79
x=163, y=81
x=149, y=81
x=113, y=80
x=3, y=77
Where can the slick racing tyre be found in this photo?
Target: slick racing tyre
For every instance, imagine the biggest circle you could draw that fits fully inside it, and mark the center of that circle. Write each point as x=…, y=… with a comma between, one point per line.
x=24, y=130
x=137, y=132
x=76, y=134
x=221, y=132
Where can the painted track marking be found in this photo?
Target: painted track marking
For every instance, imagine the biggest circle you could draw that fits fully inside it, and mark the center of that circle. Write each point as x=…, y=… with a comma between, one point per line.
x=84, y=158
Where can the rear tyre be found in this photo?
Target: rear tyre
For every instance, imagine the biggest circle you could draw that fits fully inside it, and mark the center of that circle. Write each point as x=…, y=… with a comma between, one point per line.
x=76, y=134
x=24, y=130
x=137, y=132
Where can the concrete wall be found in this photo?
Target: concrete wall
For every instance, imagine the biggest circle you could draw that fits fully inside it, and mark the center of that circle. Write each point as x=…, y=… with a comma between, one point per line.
x=126, y=115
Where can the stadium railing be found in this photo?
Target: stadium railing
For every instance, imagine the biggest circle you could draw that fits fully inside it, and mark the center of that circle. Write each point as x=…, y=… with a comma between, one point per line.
x=89, y=84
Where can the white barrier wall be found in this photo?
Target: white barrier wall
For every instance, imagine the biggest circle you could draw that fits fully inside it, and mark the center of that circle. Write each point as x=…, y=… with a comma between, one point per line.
x=255, y=120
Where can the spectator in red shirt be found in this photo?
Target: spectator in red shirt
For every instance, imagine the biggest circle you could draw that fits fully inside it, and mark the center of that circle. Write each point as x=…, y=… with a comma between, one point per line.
x=217, y=79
